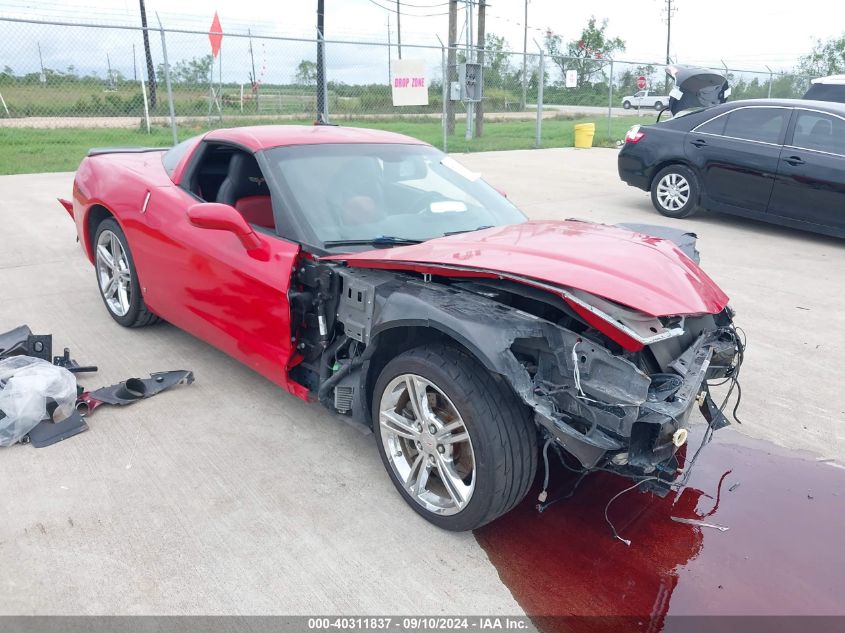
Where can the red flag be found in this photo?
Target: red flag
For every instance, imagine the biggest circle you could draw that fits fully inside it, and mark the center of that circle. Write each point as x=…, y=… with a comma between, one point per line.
x=215, y=35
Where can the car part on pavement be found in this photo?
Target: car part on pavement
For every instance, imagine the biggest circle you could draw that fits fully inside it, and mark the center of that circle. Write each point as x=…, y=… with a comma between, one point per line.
x=71, y=365
x=697, y=523
x=33, y=392
x=132, y=390
x=22, y=342
x=27, y=386
x=47, y=432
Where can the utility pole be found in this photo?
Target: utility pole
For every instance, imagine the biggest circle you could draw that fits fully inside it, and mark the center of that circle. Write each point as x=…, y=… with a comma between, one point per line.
x=151, y=74
x=252, y=77
x=524, y=58
x=451, y=61
x=134, y=65
x=670, y=10
x=469, y=58
x=398, y=30
x=479, y=107
x=389, y=63
x=322, y=113
x=111, y=77
x=41, y=63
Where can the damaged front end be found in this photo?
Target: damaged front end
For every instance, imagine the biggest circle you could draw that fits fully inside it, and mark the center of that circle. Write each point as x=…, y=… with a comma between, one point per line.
x=611, y=386
x=628, y=412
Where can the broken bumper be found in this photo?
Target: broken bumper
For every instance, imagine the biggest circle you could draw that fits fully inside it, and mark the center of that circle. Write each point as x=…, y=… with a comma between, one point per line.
x=639, y=435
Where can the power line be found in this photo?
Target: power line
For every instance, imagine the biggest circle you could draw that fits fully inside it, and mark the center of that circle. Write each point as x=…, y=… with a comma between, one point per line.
x=413, y=15
x=423, y=6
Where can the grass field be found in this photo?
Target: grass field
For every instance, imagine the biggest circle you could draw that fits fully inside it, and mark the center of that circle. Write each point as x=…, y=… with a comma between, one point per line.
x=31, y=150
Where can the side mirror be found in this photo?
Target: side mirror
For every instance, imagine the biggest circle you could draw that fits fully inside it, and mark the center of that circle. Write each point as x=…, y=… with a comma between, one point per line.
x=222, y=217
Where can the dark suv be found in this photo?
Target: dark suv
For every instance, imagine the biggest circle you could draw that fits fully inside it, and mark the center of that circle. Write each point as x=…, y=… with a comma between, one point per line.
x=827, y=89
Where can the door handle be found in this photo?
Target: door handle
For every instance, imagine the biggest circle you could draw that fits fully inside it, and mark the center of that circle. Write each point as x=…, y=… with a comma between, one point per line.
x=794, y=160
x=699, y=142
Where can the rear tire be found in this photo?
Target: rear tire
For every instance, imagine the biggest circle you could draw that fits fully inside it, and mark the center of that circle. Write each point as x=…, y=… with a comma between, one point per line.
x=675, y=191
x=474, y=443
x=117, y=278
x=658, y=105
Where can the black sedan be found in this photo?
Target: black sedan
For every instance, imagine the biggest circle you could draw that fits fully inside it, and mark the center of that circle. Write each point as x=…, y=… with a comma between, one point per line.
x=780, y=161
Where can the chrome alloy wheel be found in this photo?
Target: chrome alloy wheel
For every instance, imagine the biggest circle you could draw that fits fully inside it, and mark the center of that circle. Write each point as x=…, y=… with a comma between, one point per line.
x=673, y=192
x=113, y=273
x=427, y=444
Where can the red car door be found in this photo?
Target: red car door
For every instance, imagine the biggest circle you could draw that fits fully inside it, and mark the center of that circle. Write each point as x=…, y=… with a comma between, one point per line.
x=206, y=282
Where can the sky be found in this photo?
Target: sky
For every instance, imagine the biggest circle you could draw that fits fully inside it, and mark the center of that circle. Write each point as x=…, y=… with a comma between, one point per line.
x=745, y=34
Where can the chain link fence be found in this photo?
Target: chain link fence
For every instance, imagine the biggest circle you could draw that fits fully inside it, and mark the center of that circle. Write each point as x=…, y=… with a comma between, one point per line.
x=58, y=81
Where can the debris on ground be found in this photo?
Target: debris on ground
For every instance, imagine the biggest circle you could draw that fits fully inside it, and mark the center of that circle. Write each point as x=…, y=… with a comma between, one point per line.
x=40, y=400
x=696, y=522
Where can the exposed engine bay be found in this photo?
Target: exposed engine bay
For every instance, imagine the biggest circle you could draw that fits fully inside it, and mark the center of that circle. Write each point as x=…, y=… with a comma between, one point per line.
x=610, y=387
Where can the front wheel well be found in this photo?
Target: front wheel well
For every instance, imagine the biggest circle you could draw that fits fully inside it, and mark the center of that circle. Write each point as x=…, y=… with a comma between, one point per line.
x=394, y=341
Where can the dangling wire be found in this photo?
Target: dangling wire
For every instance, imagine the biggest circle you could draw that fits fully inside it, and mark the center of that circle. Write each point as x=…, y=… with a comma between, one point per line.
x=614, y=498
x=544, y=492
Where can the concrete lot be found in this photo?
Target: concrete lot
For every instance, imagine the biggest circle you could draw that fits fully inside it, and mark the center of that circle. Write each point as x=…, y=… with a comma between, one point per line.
x=230, y=496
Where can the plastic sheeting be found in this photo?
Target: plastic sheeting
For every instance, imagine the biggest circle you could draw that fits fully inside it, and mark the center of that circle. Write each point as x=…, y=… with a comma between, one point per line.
x=26, y=386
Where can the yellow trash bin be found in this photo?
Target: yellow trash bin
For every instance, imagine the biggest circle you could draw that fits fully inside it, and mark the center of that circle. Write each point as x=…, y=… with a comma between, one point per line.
x=584, y=133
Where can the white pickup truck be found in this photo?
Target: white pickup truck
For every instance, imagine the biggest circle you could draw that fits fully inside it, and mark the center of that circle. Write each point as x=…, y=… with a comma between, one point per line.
x=645, y=99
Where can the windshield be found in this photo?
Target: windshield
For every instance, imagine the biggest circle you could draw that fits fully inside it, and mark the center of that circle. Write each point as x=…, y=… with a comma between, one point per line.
x=363, y=192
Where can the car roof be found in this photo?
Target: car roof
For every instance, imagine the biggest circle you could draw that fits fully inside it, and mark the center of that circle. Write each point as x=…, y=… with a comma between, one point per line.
x=832, y=79
x=260, y=137
x=831, y=106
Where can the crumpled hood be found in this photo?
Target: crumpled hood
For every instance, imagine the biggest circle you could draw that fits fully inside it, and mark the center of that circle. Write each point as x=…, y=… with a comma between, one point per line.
x=642, y=272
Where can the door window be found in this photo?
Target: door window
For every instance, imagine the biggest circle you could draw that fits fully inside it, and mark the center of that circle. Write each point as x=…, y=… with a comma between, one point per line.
x=713, y=126
x=232, y=176
x=765, y=125
x=818, y=131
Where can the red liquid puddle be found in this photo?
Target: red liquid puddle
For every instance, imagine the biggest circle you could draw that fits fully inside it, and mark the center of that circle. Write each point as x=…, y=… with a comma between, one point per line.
x=782, y=555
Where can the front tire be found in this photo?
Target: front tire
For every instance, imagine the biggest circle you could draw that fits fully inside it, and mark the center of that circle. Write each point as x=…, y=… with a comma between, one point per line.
x=117, y=278
x=626, y=105
x=675, y=191
x=457, y=444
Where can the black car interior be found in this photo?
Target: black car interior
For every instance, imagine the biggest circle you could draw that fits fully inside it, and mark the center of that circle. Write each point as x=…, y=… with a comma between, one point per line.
x=232, y=176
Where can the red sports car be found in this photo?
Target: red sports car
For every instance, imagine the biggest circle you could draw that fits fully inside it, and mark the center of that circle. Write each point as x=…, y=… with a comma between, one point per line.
x=374, y=274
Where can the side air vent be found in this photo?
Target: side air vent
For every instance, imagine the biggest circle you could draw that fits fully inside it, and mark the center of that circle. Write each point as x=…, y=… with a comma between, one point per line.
x=343, y=396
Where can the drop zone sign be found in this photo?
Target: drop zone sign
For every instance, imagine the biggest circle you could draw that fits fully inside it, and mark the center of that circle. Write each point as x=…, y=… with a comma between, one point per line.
x=408, y=82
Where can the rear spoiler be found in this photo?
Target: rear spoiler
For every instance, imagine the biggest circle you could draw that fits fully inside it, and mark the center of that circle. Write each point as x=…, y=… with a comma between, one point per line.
x=98, y=151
